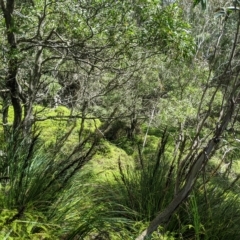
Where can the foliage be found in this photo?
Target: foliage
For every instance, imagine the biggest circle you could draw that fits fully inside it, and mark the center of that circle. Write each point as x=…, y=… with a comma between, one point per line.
x=141, y=190
x=71, y=45
x=86, y=89
x=39, y=193
x=213, y=214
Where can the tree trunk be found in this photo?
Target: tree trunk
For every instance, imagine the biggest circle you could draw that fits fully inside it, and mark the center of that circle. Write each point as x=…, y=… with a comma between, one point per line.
x=11, y=77
x=199, y=162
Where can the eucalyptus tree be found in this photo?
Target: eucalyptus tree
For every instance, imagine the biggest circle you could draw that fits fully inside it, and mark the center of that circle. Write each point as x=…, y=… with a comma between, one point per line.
x=221, y=82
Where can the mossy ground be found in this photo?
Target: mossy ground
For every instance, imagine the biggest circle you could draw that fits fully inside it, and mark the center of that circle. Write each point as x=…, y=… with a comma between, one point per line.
x=104, y=166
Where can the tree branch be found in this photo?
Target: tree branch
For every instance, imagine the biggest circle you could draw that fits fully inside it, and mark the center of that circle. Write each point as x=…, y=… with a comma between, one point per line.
x=199, y=162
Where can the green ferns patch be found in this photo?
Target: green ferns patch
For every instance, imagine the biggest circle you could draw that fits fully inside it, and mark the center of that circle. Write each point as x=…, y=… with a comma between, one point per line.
x=33, y=225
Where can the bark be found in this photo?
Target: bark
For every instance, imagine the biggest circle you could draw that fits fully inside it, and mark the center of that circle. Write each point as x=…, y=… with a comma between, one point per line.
x=5, y=107
x=11, y=77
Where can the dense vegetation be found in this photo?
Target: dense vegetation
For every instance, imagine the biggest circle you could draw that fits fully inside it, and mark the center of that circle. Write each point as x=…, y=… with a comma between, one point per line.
x=119, y=119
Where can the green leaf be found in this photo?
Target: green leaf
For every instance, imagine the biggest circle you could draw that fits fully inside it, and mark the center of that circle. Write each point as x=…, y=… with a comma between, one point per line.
x=203, y=3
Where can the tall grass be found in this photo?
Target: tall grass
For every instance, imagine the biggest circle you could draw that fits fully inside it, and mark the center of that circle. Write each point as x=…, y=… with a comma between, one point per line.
x=139, y=192
x=44, y=196
x=212, y=211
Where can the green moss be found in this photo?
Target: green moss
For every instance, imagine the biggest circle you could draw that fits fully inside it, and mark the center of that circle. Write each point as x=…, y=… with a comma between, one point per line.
x=51, y=128
x=105, y=162
x=54, y=123
x=56, y=127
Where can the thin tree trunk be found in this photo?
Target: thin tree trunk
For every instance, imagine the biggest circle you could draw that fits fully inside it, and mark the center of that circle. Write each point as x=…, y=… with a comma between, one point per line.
x=199, y=162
